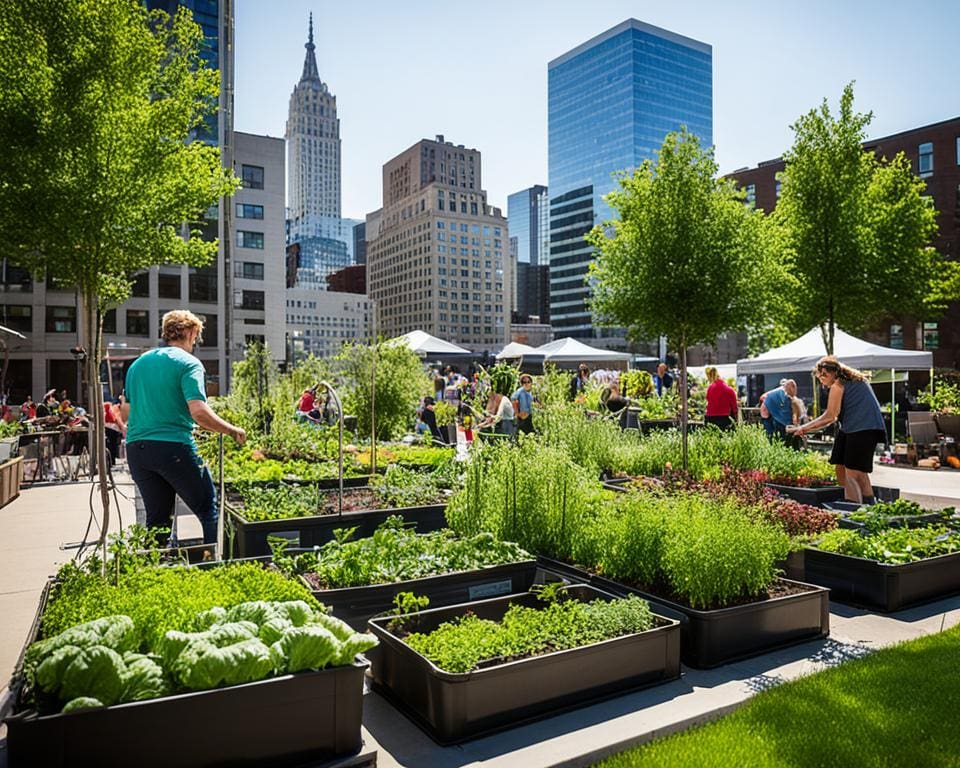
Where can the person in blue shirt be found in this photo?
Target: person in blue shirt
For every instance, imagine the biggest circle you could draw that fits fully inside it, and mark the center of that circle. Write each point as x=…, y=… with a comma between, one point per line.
x=662, y=379
x=779, y=403
x=166, y=397
x=523, y=404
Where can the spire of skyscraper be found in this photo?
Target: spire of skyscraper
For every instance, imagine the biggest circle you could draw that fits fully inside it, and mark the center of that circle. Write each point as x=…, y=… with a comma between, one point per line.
x=310, y=71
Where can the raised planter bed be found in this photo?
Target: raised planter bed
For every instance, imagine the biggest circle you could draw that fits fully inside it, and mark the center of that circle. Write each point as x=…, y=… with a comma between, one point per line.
x=714, y=637
x=815, y=497
x=882, y=586
x=249, y=539
x=11, y=475
x=456, y=707
x=356, y=605
x=284, y=721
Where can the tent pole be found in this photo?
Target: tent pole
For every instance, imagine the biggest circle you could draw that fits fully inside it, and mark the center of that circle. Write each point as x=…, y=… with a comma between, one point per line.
x=893, y=405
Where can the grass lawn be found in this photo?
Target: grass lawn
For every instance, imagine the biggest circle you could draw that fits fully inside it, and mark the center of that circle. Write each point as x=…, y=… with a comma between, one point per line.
x=897, y=707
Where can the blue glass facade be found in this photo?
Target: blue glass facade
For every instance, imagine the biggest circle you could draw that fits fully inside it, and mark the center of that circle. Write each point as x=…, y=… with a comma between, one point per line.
x=611, y=101
x=326, y=245
x=528, y=221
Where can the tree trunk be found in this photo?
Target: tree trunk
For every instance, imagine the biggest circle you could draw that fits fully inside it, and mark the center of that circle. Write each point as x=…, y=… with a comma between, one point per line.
x=93, y=346
x=683, y=399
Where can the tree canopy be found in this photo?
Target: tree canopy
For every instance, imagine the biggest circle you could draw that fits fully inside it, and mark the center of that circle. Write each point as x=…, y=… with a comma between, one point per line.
x=857, y=230
x=686, y=258
x=99, y=103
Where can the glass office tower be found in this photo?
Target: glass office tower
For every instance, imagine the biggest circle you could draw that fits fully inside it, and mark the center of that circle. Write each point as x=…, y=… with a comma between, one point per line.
x=611, y=102
x=528, y=222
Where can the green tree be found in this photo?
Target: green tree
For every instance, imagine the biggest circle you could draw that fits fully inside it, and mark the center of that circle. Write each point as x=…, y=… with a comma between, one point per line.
x=100, y=103
x=857, y=230
x=686, y=259
x=389, y=375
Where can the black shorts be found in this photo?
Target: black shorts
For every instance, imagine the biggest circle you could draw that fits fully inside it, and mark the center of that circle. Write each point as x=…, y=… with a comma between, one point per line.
x=855, y=450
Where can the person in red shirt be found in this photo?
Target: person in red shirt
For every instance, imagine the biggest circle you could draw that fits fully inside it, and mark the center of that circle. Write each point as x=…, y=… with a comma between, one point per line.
x=721, y=401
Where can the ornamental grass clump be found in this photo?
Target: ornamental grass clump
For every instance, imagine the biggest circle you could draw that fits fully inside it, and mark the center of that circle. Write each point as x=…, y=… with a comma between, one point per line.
x=529, y=493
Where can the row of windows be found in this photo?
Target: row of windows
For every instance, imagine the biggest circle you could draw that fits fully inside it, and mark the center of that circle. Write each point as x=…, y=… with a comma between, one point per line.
x=201, y=285
x=247, y=239
x=60, y=319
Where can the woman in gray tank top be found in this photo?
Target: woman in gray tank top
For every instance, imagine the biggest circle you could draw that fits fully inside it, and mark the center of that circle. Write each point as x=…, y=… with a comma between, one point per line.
x=851, y=403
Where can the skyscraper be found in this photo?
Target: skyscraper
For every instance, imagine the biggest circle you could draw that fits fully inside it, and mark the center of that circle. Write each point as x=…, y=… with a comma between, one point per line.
x=528, y=222
x=611, y=102
x=436, y=251
x=313, y=144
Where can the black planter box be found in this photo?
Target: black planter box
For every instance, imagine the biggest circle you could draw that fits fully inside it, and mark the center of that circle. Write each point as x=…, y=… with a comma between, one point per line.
x=284, y=721
x=814, y=496
x=250, y=538
x=714, y=637
x=882, y=586
x=900, y=521
x=793, y=566
x=356, y=605
x=327, y=484
x=453, y=708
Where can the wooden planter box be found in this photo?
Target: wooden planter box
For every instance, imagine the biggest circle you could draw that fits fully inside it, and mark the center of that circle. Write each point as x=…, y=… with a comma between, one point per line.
x=285, y=721
x=453, y=707
x=11, y=475
x=880, y=585
x=249, y=539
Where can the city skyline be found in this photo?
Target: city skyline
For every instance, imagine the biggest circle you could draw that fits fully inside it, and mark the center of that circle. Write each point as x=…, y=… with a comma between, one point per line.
x=379, y=76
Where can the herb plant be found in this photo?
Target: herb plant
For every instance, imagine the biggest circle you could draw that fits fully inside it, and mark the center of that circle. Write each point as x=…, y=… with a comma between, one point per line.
x=893, y=545
x=395, y=553
x=467, y=642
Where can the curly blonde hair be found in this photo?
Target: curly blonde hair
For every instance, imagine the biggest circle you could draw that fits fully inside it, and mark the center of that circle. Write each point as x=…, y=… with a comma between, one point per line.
x=178, y=323
x=830, y=364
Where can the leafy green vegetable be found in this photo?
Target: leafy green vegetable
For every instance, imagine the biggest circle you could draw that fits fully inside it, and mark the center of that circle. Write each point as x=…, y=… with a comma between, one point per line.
x=301, y=648
x=893, y=545
x=81, y=703
x=96, y=671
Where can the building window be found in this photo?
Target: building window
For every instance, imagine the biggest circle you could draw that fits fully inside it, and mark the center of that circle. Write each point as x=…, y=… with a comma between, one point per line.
x=248, y=211
x=751, y=190
x=778, y=189
x=168, y=286
x=931, y=336
x=110, y=321
x=138, y=322
x=926, y=159
x=250, y=270
x=896, y=336
x=17, y=317
x=16, y=278
x=958, y=150
x=209, y=330
x=249, y=239
x=141, y=285
x=61, y=319
x=252, y=176
x=203, y=284
x=252, y=300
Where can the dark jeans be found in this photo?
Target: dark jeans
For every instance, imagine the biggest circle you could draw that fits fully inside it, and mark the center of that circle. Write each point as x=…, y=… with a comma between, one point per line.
x=113, y=445
x=164, y=470
x=525, y=425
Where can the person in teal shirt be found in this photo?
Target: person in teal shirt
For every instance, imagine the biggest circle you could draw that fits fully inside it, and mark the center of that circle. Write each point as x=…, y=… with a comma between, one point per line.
x=523, y=404
x=166, y=397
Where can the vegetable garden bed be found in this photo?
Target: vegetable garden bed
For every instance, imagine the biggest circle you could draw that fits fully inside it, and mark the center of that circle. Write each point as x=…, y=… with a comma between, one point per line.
x=456, y=706
x=284, y=721
x=883, y=586
x=796, y=612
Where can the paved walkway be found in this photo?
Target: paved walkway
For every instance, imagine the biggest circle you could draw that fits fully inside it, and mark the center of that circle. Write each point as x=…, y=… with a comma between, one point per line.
x=33, y=528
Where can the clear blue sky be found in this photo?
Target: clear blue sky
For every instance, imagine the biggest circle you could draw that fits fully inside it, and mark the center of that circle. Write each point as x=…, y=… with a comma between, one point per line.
x=477, y=72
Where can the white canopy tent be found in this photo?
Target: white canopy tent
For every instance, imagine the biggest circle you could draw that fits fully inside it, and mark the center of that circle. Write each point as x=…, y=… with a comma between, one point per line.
x=426, y=345
x=514, y=350
x=802, y=355
x=573, y=351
